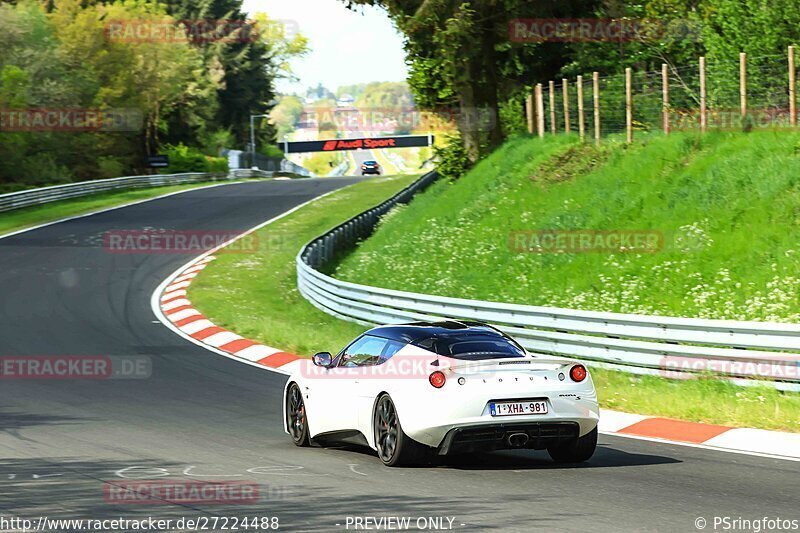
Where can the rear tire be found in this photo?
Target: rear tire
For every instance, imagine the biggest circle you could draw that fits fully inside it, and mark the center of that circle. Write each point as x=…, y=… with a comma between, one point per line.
x=577, y=451
x=395, y=448
x=296, y=416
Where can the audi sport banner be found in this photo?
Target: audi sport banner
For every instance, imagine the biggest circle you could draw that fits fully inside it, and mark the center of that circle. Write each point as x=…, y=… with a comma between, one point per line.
x=367, y=143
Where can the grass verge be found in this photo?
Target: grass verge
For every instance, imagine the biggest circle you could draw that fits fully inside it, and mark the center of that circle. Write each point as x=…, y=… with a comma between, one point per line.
x=256, y=294
x=28, y=217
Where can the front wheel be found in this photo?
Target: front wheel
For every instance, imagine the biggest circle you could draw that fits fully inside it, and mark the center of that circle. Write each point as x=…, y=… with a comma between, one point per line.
x=395, y=448
x=296, y=419
x=576, y=451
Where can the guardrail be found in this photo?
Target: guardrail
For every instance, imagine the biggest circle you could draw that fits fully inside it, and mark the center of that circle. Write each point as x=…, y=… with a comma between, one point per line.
x=27, y=198
x=744, y=352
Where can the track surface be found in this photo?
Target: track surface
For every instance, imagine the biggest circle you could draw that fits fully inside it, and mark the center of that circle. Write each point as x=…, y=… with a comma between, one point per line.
x=202, y=416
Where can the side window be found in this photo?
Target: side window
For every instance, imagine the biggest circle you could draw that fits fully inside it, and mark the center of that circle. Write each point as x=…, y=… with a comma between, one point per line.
x=366, y=350
x=392, y=347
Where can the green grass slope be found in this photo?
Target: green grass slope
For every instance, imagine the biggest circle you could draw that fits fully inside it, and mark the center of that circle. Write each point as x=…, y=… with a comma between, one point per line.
x=727, y=205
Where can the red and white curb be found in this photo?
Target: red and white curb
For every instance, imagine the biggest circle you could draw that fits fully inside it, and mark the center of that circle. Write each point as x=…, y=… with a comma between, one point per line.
x=760, y=442
x=183, y=317
x=173, y=308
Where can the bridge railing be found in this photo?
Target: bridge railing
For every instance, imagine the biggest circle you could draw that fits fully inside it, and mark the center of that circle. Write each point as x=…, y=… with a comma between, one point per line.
x=744, y=352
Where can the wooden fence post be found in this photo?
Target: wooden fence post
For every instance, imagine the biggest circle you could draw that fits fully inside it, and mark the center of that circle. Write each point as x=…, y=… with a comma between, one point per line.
x=596, y=98
x=665, y=95
x=552, y=88
x=792, y=101
x=529, y=112
x=581, y=123
x=628, y=105
x=539, y=110
x=743, y=83
x=703, y=105
x=565, y=87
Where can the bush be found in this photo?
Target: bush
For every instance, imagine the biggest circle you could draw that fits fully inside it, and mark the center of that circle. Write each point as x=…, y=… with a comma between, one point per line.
x=451, y=159
x=271, y=150
x=185, y=159
x=217, y=164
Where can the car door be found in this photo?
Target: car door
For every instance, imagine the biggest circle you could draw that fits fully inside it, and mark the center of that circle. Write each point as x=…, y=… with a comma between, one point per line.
x=335, y=393
x=371, y=381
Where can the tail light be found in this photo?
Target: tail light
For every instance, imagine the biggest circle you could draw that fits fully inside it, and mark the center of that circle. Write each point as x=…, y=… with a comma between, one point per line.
x=578, y=373
x=437, y=379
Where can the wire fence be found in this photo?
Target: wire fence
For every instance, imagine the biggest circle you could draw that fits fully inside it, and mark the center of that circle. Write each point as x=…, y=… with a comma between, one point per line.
x=744, y=93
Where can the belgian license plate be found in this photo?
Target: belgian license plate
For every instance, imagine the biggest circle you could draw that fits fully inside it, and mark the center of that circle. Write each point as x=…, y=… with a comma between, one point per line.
x=538, y=407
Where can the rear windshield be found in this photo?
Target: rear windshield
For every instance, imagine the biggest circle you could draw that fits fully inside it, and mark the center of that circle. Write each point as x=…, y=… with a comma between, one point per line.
x=473, y=346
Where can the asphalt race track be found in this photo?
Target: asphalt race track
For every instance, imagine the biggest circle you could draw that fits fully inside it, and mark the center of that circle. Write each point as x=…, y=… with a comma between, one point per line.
x=201, y=416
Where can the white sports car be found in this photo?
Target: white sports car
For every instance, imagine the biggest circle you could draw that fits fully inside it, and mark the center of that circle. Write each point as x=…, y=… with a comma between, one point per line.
x=446, y=388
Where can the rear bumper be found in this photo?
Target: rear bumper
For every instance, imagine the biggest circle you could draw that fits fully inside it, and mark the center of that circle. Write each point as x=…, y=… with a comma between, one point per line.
x=507, y=436
x=370, y=171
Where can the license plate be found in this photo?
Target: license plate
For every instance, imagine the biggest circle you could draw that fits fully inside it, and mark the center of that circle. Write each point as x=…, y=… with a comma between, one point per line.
x=518, y=408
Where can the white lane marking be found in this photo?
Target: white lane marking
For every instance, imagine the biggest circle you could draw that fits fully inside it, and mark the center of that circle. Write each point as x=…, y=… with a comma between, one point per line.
x=173, y=294
x=176, y=303
x=758, y=440
x=107, y=209
x=613, y=421
x=196, y=268
x=223, y=337
x=701, y=446
x=256, y=352
x=353, y=468
x=180, y=315
x=198, y=325
x=179, y=285
x=186, y=277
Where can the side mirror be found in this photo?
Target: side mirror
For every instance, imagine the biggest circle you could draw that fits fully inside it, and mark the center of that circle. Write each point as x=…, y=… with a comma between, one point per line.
x=323, y=359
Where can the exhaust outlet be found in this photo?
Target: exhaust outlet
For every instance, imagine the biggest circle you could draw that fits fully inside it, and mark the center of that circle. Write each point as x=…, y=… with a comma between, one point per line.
x=517, y=440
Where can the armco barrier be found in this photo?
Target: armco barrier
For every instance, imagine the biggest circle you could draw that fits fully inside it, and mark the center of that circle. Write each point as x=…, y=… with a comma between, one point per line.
x=745, y=352
x=16, y=200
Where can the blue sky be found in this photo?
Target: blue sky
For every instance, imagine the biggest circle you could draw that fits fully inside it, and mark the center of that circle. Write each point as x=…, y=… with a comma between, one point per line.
x=346, y=47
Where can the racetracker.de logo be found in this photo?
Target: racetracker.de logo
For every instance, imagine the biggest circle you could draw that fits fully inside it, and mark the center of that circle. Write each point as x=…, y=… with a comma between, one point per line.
x=100, y=367
x=537, y=30
x=197, y=31
x=585, y=241
x=395, y=119
x=163, y=491
x=177, y=242
x=70, y=120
